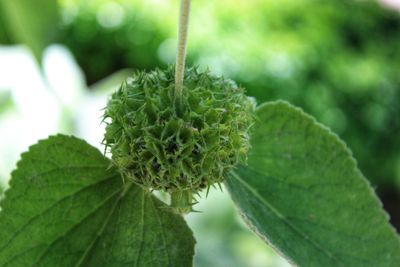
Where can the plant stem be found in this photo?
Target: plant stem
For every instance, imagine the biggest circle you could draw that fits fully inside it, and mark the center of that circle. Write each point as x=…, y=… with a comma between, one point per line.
x=181, y=201
x=181, y=50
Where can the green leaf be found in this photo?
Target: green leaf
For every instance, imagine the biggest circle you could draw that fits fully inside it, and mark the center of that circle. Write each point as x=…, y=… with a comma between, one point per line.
x=4, y=37
x=33, y=23
x=302, y=193
x=67, y=207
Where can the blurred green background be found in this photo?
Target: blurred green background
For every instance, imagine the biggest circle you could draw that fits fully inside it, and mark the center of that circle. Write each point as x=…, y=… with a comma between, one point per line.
x=339, y=60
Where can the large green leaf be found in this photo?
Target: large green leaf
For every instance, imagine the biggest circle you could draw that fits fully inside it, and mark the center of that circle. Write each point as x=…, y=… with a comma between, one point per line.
x=30, y=22
x=302, y=193
x=66, y=207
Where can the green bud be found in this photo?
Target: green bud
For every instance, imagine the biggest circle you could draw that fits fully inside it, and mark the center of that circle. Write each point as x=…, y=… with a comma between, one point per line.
x=176, y=145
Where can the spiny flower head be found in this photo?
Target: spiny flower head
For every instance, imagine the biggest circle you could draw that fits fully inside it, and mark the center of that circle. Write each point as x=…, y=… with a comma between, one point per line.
x=170, y=144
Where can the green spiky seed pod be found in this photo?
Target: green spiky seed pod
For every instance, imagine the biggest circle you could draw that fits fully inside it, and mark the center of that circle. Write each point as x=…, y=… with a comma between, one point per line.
x=177, y=145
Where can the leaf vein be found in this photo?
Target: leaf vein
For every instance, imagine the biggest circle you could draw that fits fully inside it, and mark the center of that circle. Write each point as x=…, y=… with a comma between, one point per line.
x=284, y=219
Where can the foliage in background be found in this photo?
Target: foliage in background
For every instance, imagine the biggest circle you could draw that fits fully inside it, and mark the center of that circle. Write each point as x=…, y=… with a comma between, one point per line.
x=17, y=14
x=4, y=39
x=339, y=60
x=110, y=37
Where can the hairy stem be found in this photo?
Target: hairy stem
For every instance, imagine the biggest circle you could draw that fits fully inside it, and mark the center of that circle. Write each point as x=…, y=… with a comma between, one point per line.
x=181, y=201
x=181, y=50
